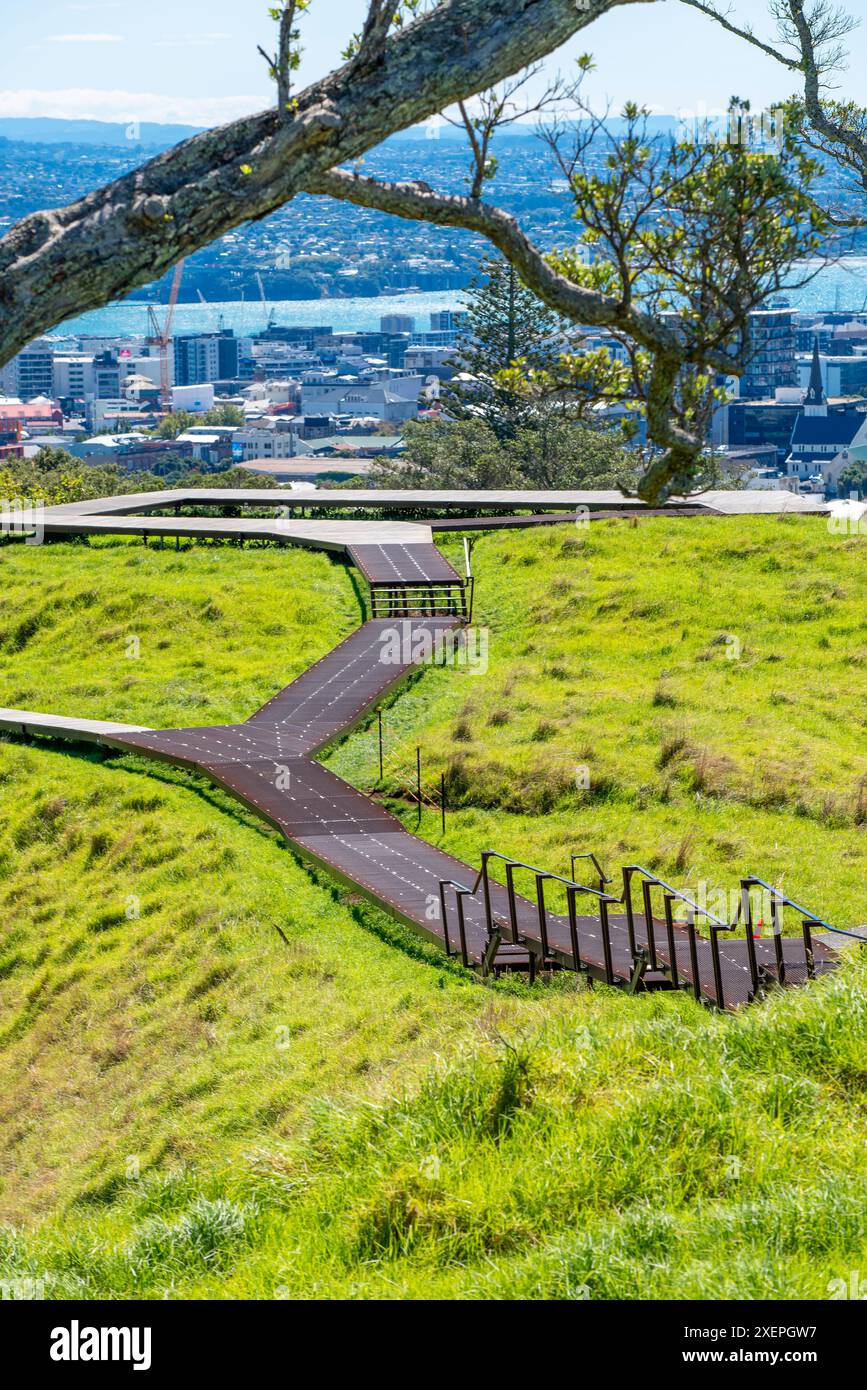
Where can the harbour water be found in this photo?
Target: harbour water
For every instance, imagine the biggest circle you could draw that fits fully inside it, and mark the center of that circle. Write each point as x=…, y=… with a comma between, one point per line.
x=842, y=285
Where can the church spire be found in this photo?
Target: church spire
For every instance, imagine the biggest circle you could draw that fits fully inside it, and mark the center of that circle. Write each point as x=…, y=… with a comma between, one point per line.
x=815, y=398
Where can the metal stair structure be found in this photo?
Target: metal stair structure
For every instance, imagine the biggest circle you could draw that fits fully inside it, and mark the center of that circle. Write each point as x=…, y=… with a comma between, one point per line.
x=723, y=964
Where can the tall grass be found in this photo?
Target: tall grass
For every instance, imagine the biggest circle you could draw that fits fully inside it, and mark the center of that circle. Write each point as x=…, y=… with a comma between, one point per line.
x=221, y=1076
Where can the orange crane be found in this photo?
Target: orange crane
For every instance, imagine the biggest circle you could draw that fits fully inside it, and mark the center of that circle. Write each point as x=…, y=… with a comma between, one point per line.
x=162, y=338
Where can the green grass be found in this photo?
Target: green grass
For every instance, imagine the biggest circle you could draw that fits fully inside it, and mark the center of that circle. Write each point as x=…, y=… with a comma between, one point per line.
x=222, y=1077
x=113, y=630
x=609, y=651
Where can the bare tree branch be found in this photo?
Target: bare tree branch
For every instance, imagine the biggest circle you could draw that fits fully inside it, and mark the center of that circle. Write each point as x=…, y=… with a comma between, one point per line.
x=281, y=64
x=672, y=472
x=496, y=109
x=59, y=263
x=376, y=28
x=742, y=31
x=418, y=202
x=822, y=27
x=810, y=42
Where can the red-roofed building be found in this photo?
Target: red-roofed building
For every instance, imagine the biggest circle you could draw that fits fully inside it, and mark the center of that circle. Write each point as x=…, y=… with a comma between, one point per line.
x=30, y=413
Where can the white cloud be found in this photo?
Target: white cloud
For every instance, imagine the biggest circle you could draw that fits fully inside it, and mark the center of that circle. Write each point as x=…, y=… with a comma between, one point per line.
x=90, y=104
x=85, y=38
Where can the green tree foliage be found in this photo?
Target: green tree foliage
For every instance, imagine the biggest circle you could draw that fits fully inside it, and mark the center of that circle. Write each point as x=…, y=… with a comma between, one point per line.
x=557, y=453
x=449, y=453
x=224, y=415
x=853, y=479
x=179, y=421
x=550, y=453
x=54, y=477
x=176, y=424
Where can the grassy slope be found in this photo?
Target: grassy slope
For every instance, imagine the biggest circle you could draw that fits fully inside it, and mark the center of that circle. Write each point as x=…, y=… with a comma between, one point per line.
x=608, y=651
x=218, y=629
x=193, y=1106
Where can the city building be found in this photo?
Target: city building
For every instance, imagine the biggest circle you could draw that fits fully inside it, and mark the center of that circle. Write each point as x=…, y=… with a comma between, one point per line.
x=820, y=435
x=397, y=323
x=34, y=371
x=203, y=357
x=270, y=438
x=196, y=399
x=449, y=321
x=772, y=364
x=72, y=376
x=394, y=400
x=842, y=375
x=136, y=453
x=33, y=417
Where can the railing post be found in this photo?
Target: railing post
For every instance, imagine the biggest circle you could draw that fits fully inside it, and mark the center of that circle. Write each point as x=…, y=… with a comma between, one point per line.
x=445, y=918
x=381, y=771
x=443, y=798
x=693, y=956
x=630, y=917
x=513, y=906
x=489, y=917
x=672, y=945
x=543, y=916
x=462, y=930
x=808, y=950
x=606, y=941
x=571, y=893
x=747, y=914
x=648, y=918
x=717, y=967
x=778, y=940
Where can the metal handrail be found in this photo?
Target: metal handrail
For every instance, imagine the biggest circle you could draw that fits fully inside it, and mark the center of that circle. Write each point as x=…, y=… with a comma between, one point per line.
x=603, y=876
x=681, y=897
x=670, y=896
x=650, y=880
x=573, y=888
x=519, y=864
x=801, y=911
x=461, y=891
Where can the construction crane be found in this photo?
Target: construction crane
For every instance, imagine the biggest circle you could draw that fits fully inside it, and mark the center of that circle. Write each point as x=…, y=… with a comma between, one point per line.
x=268, y=313
x=161, y=338
x=220, y=317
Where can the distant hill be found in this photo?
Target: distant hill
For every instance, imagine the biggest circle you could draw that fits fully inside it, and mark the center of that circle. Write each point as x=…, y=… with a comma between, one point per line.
x=528, y=130
x=49, y=131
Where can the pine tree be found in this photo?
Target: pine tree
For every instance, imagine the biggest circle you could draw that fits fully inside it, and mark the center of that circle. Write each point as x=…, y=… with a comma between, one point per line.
x=506, y=324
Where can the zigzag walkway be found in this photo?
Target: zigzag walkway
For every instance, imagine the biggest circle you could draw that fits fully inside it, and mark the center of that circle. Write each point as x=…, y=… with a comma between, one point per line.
x=268, y=763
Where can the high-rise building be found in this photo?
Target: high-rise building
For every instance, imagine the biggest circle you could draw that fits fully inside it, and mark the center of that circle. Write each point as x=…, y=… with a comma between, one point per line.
x=772, y=365
x=73, y=375
x=35, y=371
x=448, y=321
x=397, y=323
x=203, y=357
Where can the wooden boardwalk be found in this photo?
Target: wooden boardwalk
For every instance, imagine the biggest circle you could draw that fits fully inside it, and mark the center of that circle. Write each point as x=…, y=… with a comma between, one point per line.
x=268, y=763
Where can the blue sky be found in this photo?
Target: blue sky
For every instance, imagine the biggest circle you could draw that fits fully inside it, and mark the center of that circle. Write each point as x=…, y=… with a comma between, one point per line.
x=196, y=61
